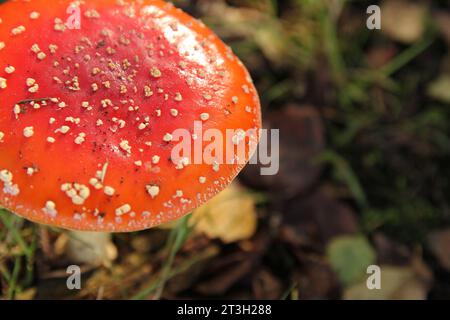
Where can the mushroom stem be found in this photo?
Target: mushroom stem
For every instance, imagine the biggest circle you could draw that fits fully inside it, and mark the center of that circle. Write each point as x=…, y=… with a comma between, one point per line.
x=92, y=248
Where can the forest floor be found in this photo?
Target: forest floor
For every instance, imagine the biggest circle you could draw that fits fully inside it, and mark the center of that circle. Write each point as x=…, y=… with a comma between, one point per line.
x=364, y=172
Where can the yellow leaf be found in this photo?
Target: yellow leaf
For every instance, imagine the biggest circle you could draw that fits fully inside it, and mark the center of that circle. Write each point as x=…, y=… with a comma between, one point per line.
x=403, y=21
x=397, y=283
x=230, y=216
x=28, y=294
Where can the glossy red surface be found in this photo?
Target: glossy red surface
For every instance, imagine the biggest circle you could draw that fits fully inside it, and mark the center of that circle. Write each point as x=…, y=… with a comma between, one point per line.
x=115, y=84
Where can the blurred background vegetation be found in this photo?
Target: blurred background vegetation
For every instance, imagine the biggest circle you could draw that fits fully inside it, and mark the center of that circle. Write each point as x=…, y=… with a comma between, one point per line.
x=364, y=174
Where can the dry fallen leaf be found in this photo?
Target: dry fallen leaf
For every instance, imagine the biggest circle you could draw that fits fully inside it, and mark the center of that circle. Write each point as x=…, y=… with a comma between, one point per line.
x=230, y=216
x=233, y=266
x=439, y=243
x=396, y=283
x=409, y=282
x=403, y=21
x=389, y=251
x=439, y=89
x=302, y=139
x=442, y=20
x=28, y=294
x=266, y=286
x=316, y=219
x=315, y=279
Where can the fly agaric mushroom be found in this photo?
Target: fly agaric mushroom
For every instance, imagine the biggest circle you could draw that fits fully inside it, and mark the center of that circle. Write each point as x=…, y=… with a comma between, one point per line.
x=88, y=112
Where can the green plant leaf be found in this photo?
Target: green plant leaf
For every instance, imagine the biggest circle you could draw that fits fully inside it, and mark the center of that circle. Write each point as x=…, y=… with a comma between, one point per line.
x=349, y=257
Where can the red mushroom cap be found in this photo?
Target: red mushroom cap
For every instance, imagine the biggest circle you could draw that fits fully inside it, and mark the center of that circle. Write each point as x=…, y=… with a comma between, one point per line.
x=87, y=115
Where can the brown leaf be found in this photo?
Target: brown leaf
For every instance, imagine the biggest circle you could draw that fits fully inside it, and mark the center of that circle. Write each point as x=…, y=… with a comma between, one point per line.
x=229, y=268
x=193, y=267
x=439, y=243
x=266, y=286
x=379, y=56
x=390, y=252
x=316, y=219
x=301, y=140
x=316, y=280
x=442, y=20
x=227, y=272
